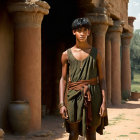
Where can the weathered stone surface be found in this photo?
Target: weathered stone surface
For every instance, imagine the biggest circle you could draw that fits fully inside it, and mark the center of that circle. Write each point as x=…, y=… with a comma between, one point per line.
x=115, y=33
x=108, y=67
x=26, y=14
x=100, y=18
x=118, y=8
x=39, y=6
x=131, y=20
x=125, y=65
x=27, y=20
x=96, y=2
x=99, y=40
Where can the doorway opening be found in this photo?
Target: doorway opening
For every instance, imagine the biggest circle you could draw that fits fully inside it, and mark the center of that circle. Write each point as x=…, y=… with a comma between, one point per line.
x=56, y=38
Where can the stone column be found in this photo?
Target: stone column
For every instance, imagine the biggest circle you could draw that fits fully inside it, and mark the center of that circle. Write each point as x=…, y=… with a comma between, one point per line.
x=27, y=18
x=115, y=34
x=108, y=67
x=125, y=65
x=100, y=22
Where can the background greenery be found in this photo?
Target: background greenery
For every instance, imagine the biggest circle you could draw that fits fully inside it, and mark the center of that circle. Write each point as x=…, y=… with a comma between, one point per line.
x=135, y=61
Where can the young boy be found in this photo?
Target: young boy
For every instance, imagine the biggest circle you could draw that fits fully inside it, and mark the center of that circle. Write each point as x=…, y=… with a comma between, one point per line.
x=84, y=109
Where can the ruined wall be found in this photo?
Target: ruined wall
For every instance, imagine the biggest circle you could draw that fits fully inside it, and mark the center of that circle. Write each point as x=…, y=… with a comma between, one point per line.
x=6, y=65
x=118, y=9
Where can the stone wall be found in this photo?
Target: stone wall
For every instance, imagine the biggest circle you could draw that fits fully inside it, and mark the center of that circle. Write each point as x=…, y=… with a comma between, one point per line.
x=96, y=2
x=6, y=65
x=118, y=9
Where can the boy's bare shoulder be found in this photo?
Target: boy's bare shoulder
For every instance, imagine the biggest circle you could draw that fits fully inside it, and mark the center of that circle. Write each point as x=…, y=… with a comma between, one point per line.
x=65, y=53
x=64, y=56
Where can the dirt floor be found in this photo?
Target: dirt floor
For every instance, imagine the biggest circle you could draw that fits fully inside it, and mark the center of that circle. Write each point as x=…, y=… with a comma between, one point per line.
x=124, y=124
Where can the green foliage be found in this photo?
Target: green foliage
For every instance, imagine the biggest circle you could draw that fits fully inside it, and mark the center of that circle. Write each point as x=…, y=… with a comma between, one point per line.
x=106, y=133
x=134, y=133
x=123, y=136
x=118, y=119
x=135, y=85
x=135, y=53
x=135, y=48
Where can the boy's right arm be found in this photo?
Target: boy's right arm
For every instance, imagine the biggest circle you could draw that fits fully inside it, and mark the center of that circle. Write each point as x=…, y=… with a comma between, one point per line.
x=62, y=85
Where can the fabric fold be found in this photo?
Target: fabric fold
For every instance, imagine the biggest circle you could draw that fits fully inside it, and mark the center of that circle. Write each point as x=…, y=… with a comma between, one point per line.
x=83, y=86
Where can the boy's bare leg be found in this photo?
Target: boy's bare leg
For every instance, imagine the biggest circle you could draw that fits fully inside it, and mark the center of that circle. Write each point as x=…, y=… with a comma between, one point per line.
x=74, y=128
x=91, y=134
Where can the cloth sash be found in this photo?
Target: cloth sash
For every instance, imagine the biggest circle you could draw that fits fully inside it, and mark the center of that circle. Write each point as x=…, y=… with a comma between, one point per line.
x=83, y=86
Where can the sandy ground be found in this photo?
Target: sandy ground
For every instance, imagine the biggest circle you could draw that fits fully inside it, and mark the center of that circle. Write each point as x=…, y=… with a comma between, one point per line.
x=124, y=124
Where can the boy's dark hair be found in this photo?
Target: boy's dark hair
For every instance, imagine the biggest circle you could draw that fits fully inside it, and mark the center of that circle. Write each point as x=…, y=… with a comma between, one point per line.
x=81, y=22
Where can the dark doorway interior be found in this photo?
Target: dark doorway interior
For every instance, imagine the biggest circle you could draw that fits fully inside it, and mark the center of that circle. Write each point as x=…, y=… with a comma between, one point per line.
x=56, y=37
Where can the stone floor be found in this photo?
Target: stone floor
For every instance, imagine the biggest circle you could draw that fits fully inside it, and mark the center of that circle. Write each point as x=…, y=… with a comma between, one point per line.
x=124, y=124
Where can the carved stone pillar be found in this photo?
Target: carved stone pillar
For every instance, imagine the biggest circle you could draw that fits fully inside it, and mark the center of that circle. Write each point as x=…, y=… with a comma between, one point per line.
x=108, y=67
x=115, y=37
x=125, y=65
x=27, y=18
x=100, y=22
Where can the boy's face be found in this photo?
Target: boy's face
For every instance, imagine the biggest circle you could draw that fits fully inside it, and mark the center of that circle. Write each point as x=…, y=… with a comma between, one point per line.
x=81, y=34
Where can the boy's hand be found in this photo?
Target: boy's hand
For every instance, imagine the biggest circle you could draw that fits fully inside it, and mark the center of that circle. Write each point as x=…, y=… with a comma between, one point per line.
x=103, y=110
x=63, y=112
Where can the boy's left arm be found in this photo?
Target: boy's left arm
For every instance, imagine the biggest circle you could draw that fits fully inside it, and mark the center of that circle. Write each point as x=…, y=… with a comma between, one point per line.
x=103, y=110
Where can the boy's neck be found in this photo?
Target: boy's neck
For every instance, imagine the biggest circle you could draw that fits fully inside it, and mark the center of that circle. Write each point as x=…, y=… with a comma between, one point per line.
x=82, y=45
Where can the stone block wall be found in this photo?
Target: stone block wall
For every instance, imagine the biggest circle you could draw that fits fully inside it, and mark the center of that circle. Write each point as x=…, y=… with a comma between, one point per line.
x=118, y=9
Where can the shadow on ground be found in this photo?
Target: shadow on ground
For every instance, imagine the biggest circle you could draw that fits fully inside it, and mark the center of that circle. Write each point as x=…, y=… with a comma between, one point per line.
x=126, y=105
x=52, y=129
x=53, y=126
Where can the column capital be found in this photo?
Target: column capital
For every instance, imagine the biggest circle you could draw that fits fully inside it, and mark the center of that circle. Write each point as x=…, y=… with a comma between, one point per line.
x=126, y=38
x=28, y=13
x=117, y=26
x=131, y=21
x=99, y=18
x=100, y=21
x=127, y=35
